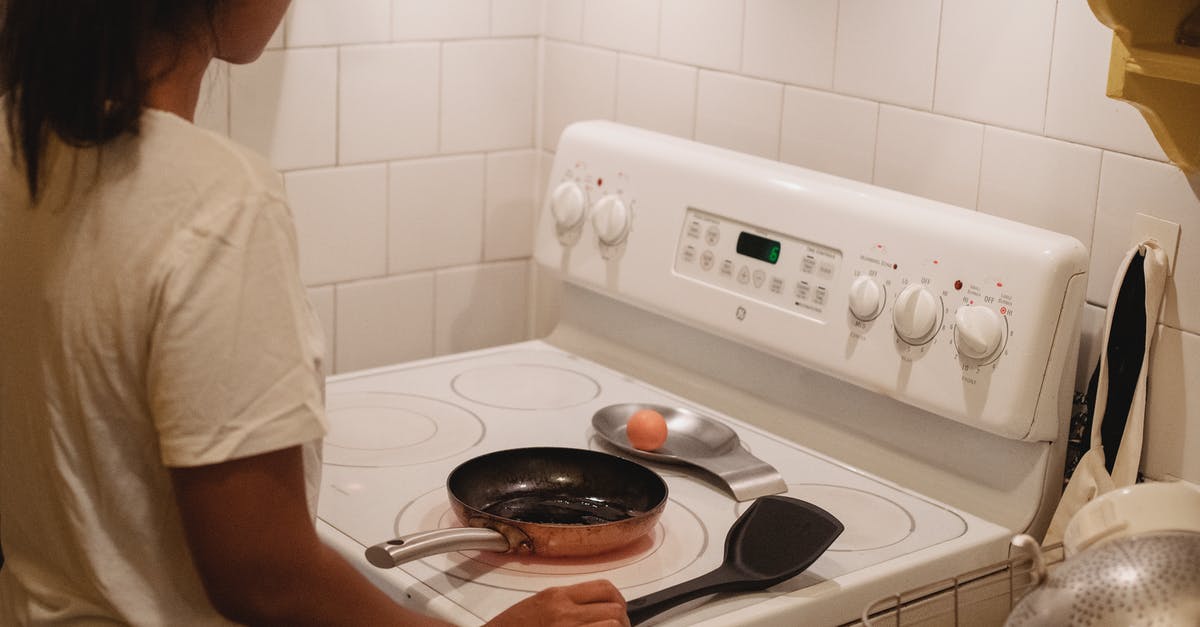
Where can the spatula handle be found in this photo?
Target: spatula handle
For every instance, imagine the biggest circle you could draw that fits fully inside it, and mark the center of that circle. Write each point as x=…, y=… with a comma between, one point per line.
x=719, y=580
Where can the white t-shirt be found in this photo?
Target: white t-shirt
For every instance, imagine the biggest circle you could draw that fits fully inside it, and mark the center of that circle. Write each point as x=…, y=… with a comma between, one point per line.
x=151, y=316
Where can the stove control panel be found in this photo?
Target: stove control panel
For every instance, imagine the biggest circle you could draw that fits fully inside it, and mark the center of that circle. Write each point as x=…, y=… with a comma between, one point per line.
x=965, y=315
x=771, y=268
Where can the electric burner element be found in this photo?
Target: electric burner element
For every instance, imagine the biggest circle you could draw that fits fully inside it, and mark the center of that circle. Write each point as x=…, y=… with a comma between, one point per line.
x=526, y=386
x=373, y=429
x=675, y=543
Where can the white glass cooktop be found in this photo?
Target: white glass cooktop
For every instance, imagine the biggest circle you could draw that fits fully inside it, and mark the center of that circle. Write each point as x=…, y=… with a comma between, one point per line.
x=396, y=433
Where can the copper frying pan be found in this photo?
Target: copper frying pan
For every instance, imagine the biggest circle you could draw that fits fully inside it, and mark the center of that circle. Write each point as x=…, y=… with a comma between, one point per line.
x=549, y=502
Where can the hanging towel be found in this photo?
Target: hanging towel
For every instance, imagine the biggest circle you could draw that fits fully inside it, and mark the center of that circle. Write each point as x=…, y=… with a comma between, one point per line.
x=1120, y=408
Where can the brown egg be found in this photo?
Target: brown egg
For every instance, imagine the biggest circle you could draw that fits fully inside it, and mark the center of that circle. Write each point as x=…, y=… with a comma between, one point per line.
x=646, y=430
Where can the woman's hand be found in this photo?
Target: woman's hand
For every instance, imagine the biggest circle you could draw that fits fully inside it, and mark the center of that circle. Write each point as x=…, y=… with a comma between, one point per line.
x=593, y=603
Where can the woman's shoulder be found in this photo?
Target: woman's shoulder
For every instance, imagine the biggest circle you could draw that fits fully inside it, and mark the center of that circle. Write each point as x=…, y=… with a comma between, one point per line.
x=202, y=159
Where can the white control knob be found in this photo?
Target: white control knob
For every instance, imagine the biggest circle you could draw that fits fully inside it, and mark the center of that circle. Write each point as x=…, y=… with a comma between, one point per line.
x=866, y=298
x=566, y=204
x=915, y=316
x=978, y=332
x=610, y=218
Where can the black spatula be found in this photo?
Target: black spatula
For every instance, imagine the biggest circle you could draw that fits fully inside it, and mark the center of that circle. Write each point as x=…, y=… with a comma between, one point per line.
x=776, y=539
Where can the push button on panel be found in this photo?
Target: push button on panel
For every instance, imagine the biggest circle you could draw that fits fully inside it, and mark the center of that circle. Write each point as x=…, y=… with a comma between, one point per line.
x=712, y=235
x=707, y=259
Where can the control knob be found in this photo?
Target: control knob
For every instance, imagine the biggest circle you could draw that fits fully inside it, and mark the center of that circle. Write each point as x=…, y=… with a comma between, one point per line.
x=866, y=298
x=916, y=315
x=610, y=219
x=566, y=205
x=978, y=332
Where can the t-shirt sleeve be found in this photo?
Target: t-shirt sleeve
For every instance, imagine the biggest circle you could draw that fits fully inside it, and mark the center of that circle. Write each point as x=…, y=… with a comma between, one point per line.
x=234, y=363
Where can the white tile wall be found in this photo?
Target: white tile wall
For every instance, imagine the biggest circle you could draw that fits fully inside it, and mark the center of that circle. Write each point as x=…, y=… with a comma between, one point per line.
x=887, y=51
x=389, y=105
x=324, y=23
x=509, y=205
x=999, y=106
x=657, y=95
x=739, y=113
x=993, y=61
x=829, y=132
x=629, y=25
x=435, y=213
x=791, y=41
x=488, y=88
x=579, y=83
x=285, y=106
x=480, y=306
x=323, y=303
x=929, y=155
x=707, y=33
x=341, y=222
x=444, y=19
x=1040, y=181
x=384, y=321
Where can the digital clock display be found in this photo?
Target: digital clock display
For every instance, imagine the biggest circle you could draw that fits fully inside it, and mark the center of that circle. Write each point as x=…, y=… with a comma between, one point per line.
x=758, y=247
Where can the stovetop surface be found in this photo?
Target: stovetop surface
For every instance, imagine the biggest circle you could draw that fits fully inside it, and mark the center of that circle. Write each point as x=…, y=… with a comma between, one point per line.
x=396, y=433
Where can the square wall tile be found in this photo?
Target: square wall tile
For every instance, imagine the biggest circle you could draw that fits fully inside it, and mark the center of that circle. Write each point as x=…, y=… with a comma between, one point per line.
x=1077, y=108
x=790, y=41
x=384, y=321
x=285, y=106
x=277, y=38
x=1091, y=338
x=323, y=304
x=444, y=19
x=1130, y=185
x=829, y=133
x=657, y=95
x=516, y=18
x=579, y=83
x=563, y=19
x=389, y=102
x=481, y=306
x=739, y=113
x=436, y=213
x=488, y=90
x=929, y=155
x=994, y=61
x=628, y=25
x=1173, y=407
x=1045, y=182
x=510, y=205
x=212, y=110
x=324, y=23
x=887, y=51
x=707, y=33
x=341, y=222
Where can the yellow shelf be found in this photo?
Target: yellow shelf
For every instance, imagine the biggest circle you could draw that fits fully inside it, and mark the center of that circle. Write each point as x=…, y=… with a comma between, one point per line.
x=1153, y=73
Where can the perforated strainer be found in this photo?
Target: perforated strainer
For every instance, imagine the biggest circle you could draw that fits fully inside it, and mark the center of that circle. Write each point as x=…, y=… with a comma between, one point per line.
x=1147, y=579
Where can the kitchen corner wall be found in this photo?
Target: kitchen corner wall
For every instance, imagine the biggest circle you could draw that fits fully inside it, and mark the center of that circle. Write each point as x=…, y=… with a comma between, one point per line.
x=415, y=137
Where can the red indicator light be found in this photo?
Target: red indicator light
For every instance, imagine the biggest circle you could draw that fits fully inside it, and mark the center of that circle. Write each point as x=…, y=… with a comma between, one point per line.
x=879, y=246
x=999, y=284
x=935, y=262
x=894, y=266
x=958, y=285
x=1003, y=310
x=971, y=302
x=599, y=182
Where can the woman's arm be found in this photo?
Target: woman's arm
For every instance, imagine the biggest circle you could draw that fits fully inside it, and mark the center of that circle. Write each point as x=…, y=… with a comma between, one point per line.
x=261, y=562
x=258, y=554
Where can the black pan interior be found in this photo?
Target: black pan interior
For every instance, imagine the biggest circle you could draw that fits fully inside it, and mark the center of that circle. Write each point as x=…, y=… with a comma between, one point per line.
x=557, y=486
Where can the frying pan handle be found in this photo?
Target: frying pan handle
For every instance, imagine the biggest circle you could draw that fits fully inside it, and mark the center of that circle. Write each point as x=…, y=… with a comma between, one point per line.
x=425, y=543
x=644, y=608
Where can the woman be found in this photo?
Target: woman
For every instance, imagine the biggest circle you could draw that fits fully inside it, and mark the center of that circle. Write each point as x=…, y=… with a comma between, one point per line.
x=160, y=386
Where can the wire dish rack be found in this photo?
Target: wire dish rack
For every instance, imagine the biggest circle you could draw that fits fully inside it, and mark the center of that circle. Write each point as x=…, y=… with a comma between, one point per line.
x=977, y=598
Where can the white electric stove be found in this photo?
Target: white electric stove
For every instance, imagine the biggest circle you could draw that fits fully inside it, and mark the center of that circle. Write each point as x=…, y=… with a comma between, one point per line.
x=903, y=364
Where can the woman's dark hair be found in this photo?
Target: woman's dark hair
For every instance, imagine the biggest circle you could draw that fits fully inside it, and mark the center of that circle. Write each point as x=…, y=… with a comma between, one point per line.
x=71, y=67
